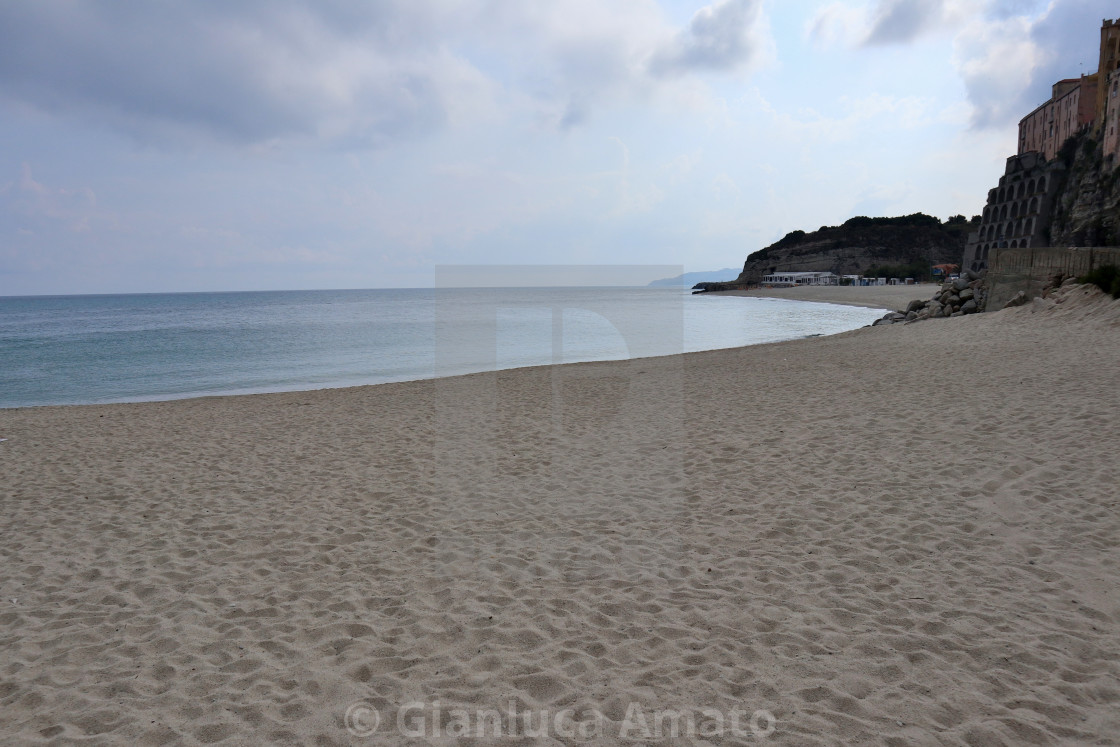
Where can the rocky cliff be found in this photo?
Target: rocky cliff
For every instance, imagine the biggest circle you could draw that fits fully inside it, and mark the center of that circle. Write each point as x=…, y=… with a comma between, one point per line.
x=906, y=245
x=1086, y=211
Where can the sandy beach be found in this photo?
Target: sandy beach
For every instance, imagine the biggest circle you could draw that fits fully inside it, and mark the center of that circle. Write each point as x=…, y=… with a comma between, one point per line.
x=891, y=297
x=903, y=535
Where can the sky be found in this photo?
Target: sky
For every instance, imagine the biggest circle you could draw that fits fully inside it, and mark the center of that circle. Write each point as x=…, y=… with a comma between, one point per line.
x=159, y=146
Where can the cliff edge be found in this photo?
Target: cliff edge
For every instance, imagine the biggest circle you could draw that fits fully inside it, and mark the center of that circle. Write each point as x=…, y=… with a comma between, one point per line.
x=905, y=246
x=1087, y=209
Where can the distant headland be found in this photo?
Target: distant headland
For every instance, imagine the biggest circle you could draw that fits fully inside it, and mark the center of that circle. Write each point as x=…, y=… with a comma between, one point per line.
x=1061, y=190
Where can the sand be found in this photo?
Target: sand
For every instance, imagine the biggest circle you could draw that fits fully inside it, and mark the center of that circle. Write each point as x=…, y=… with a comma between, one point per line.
x=898, y=535
x=891, y=297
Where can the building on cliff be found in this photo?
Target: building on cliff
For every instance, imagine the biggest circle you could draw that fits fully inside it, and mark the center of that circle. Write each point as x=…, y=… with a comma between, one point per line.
x=1109, y=59
x=1078, y=104
x=1071, y=109
x=1018, y=211
x=1108, y=95
x=1110, y=131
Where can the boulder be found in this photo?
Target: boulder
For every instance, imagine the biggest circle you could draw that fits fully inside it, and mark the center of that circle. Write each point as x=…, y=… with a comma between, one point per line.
x=968, y=307
x=890, y=318
x=960, y=284
x=967, y=294
x=915, y=306
x=1019, y=299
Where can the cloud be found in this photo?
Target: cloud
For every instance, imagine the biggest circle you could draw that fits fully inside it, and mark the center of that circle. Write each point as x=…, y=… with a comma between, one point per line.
x=354, y=74
x=1008, y=53
x=35, y=206
x=1009, y=66
x=997, y=62
x=901, y=21
x=240, y=72
x=838, y=24
x=887, y=22
x=723, y=36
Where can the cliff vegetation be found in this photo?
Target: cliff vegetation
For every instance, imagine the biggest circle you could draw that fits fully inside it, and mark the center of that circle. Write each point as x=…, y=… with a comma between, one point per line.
x=905, y=246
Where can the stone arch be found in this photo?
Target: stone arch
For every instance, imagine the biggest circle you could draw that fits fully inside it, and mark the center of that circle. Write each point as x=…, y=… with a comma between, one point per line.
x=1019, y=192
x=1042, y=184
x=1003, y=213
x=1031, y=187
x=987, y=247
x=1033, y=205
x=1014, y=210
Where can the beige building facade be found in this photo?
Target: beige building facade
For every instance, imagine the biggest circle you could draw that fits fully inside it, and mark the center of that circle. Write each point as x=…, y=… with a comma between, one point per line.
x=1070, y=110
x=1110, y=129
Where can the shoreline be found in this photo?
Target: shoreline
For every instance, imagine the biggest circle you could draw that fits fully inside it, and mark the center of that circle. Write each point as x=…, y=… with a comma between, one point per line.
x=157, y=398
x=888, y=297
x=846, y=532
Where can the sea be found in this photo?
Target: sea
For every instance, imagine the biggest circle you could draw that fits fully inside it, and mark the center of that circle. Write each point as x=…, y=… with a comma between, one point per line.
x=63, y=350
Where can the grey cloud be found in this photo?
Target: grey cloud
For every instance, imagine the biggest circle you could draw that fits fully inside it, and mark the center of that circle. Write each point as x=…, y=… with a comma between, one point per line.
x=1070, y=34
x=720, y=37
x=242, y=72
x=1002, y=9
x=339, y=72
x=900, y=21
x=1067, y=40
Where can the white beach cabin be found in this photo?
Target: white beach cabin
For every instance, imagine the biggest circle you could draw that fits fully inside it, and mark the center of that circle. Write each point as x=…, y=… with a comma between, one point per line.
x=789, y=279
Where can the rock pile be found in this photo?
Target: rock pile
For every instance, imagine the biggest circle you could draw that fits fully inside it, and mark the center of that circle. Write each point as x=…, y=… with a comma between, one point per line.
x=966, y=295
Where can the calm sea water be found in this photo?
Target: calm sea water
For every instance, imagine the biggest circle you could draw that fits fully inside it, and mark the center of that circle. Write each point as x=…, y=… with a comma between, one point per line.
x=89, y=349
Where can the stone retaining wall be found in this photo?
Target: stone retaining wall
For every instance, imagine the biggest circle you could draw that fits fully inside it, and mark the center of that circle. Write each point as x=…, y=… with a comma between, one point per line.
x=1030, y=270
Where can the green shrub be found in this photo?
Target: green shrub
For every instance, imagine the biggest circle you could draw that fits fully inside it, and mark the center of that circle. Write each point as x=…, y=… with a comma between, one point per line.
x=916, y=219
x=1106, y=277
